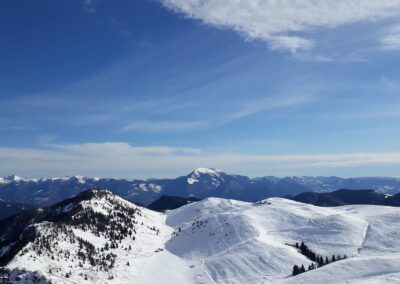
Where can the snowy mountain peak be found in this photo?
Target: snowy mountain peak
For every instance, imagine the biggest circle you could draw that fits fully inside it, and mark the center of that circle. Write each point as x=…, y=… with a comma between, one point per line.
x=14, y=178
x=95, y=236
x=205, y=174
x=204, y=171
x=11, y=178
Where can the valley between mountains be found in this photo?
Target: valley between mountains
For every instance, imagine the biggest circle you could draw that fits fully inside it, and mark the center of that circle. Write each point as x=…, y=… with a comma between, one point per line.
x=98, y=237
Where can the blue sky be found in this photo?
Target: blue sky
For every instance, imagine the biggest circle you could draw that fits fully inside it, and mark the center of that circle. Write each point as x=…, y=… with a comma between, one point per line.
x=151, y=88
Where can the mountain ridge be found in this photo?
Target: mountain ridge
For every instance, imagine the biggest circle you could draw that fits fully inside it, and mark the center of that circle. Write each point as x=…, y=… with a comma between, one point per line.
x=347, y=197
x=88, y=233
x=200, y=183
x=215, y=240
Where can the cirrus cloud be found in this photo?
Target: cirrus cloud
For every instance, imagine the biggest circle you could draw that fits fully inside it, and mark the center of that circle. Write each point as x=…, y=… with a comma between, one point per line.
x=283, y=24
x=391, y=39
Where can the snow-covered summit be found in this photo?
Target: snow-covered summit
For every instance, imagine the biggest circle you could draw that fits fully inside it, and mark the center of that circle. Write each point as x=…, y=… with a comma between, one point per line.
x=97, y=237
x=226, y=241
x=11, y=178
x=200, y=174
x=209, y=171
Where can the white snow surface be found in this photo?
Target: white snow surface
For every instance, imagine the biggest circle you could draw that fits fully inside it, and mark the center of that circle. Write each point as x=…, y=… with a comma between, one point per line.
x=12, y=178
x=211, y=175
x=227, y=241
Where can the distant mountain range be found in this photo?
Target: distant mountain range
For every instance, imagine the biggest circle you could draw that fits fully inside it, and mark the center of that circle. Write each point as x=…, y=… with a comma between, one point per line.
x=201, y=183
x=347, y=197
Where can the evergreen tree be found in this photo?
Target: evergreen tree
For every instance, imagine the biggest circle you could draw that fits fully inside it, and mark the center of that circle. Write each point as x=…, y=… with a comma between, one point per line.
x=303, y=247
x=296, y=270
x=320, y=261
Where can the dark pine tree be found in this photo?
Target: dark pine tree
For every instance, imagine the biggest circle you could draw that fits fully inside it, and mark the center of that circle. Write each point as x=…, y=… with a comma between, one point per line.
x=296, y=270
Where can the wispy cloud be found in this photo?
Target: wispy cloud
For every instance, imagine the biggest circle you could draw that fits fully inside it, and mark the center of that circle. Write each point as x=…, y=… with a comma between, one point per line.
x=125, y=160
x=120, y=149
x=161, y=126
x=284, y=24
x=89, y=6
x=272, y=102
x=391, y=39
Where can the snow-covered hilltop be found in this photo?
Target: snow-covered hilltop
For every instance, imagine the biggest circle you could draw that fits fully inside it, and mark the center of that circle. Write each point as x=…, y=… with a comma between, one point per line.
x=200, y=183
x=97, y=237
x=211, y=175
x=226, y=241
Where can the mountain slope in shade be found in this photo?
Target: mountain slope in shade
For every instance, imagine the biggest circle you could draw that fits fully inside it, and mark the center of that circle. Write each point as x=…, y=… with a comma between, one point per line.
x=170, y=202
x=9, y=208
x=393, y=200
x=347, y=197
x=211, y=241
x=201, y=183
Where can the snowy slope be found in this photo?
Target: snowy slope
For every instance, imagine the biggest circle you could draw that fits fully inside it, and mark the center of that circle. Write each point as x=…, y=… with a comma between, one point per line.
x=212, y=241
x=227, y=241
x=97, y=239
x=236, y=242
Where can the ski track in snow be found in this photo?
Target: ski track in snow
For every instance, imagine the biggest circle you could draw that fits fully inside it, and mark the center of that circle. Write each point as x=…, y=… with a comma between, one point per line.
x=226, y=241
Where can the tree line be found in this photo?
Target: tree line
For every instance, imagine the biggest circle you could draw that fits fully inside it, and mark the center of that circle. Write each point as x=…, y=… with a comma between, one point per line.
x=318, y=260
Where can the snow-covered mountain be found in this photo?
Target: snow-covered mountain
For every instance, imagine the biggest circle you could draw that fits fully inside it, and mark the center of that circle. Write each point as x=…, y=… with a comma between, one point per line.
x=10, y=179
x=98, y=237
x=201, y=183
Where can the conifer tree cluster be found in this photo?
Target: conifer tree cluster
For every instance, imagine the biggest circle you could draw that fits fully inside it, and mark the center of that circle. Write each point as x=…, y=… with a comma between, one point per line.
x=113, y=221
x=318, y=260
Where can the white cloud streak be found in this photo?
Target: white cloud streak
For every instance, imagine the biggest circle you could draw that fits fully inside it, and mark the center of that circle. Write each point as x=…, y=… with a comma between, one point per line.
x=391, y=39
x=163, y=126
x=242, y=110
x=273, y=102
x=110, y=149
x=124, y=160
x=283, y=24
